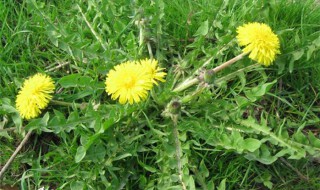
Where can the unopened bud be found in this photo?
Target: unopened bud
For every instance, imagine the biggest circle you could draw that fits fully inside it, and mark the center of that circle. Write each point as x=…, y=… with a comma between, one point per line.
x=172, y=109
x=175, y=107
x=209, y=76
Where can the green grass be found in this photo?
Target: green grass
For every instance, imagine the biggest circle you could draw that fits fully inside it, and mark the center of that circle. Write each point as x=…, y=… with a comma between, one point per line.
x=133, y=146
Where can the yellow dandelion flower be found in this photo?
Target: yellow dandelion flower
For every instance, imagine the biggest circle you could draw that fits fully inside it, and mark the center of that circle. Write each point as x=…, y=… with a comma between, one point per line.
x=260, y=41
x=34, y=95
x=155, y=72
x=129, y=82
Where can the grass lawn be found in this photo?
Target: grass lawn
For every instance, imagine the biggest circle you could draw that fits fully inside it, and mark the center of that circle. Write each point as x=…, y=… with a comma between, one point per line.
x=248, y=126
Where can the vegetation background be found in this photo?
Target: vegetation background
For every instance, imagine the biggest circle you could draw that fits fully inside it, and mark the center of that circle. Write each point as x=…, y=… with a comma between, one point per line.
x=254, y=128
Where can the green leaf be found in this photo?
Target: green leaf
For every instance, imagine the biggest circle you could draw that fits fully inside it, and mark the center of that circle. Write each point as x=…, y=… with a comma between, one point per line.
x=108, y=123
x=203, y=29
x=23, y=183
x=283, y=152
x=236, y=139
x=241, y=101
x=257, y=92
x=122, y=156
x=299, y=137
x=77, y=185
x=5, y=134
x=217, y=24
x=17, y=120
x=74, y=80
x=251, y=144
x=88, y=141
x=268, y=184
x=96, y=153
x=296, y=55
x=211, y=185
x=222, y=185
x=40, y=123
x=251, y=123
x=53, y=35
x=81, y=152
x=314, y=141
x=34, y=124
x=119, y=26
x=265, y=155
x=170, y=149
x=316, y=42
x=262, y=155
x=147, y=167
x=310, y=51
x=45, y=119
x=265, y=178
x=203, y=169
x=226, y=141
x=8, y=109
x=191, y=183
x=69, y=80
x=301, y=153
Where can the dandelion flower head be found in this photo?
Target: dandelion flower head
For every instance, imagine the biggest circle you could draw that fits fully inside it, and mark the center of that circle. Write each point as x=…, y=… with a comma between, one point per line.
x=156, y=73
x=34, y=95
x=259, y=41
x=128, y=82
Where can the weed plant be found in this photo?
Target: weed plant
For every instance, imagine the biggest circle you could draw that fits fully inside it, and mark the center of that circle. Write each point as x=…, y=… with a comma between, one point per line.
x=251, y=127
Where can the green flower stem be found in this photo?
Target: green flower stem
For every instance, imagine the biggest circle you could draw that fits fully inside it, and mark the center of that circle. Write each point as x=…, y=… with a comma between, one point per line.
x=231, y=75
x=195, y=94
x=186, y=84
x=61, y=103
x=178, y=149
x=227, y=63
x=172, y=111
x=141, y=34
x=150, y=50
x=190, y=82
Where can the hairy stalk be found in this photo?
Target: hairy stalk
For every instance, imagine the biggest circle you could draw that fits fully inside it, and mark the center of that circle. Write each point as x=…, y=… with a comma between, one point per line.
x=190, y=82
x=8, y=129
x=194, y=95
x=172, y=111
x=23, y=142
x=150, y=50
x=11, y=129
x=186, y=84
x=141, y=33
x=57, y=67
x=231, y=75
x=227, y=63
x=178, y=148
x=61, y=103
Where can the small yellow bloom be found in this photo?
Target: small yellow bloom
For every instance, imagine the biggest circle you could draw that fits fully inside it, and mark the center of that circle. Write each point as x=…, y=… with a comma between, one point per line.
x=34, y=95
x=155, y=72
x=130, y=82
x=259, y=41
